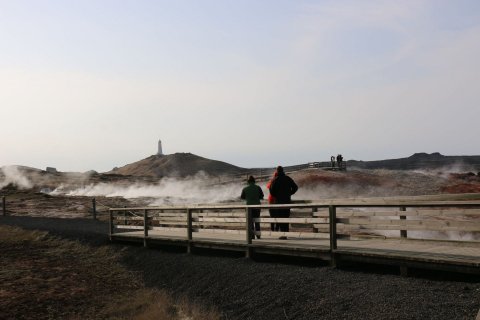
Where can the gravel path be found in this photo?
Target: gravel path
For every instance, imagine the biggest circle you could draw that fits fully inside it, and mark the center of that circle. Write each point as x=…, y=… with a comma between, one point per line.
x=245, y=289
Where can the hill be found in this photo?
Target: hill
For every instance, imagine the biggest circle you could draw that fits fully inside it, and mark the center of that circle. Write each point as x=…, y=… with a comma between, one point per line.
x=421, y=161
x=177, y=165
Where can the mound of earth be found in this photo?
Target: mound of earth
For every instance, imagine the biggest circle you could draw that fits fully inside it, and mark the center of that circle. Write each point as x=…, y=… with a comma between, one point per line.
x=461, y=188
x=420, y=161
x=462, y=183
x=177, y=165
x=321, y=184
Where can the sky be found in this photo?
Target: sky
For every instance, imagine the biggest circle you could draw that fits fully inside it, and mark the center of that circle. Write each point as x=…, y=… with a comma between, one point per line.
x=94, y=84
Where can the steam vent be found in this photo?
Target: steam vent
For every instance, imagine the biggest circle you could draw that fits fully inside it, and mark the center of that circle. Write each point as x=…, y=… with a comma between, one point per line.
x=160, y=152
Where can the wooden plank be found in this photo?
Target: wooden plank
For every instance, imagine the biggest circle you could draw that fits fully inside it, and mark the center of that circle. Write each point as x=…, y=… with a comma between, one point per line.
x=222, y=214
x=321, y=226
x=405, y=227
x=118, y=218
x=221, y=231
x=173, y=215
x=446, y=212
x=403, y=232
x=227, y=214
x=340, y=203
x=145, y=227
x=293, y=220
x=210, y=219
x=183, y=219
x=121, y=226
x=461, y=225
x=110, y=224
x=172, y=223
x=439, y=212
x=278, y=220
x=264, y=224
x=169, y=229
x=189, y=226
x=306, y=235
x=221, y=224
x=333, y=227
x=350, y=213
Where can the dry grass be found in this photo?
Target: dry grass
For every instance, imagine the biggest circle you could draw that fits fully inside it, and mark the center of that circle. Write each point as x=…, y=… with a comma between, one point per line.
x=44, y=277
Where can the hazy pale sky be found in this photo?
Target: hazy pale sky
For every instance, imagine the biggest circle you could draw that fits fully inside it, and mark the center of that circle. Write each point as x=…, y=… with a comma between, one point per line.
x=94, y=84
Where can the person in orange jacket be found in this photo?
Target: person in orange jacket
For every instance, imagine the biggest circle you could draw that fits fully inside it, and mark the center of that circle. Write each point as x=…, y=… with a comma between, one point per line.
x=271, y=200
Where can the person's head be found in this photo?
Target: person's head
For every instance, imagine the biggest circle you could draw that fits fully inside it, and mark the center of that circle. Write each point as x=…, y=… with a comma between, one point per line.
x=251, y=179
x=280, y=170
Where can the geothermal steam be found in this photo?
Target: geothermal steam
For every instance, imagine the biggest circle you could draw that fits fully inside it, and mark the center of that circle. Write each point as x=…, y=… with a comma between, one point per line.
x=197, y=189
x=12, y=175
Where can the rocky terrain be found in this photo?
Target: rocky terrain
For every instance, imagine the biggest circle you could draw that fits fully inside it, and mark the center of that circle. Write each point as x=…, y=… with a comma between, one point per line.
x=423, y=161
x=177, y=165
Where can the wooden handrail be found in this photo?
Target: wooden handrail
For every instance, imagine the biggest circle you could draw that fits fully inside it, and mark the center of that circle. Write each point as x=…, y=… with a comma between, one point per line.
x=392, y=204
x=191, y=219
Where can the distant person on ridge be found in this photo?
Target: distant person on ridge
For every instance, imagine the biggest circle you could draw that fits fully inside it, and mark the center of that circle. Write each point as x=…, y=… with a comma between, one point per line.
x=339, y=161
x=332, y=160
x=253, y=194
x=271, y=200
x=282, y=188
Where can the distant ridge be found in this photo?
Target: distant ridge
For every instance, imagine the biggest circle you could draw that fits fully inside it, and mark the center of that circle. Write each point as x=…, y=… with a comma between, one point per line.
x=177, y=165
x=188, y=164
x=420, y=161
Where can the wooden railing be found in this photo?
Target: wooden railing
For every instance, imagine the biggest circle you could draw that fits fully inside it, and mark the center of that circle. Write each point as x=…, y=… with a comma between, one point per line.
x=330, y=221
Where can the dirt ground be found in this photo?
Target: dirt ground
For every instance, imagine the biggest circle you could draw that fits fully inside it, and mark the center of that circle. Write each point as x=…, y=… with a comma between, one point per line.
x=46, y=277
x=239, y=288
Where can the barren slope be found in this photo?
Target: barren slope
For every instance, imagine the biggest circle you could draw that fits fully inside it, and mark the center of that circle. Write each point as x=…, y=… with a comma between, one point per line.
x=177, y=165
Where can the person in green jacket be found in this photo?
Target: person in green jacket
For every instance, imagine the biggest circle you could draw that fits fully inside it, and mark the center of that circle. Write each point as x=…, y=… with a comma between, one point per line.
x=252, y=194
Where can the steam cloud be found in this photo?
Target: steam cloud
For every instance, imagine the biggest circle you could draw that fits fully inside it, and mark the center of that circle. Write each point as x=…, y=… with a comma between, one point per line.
x=12, y=175
x=197, y=189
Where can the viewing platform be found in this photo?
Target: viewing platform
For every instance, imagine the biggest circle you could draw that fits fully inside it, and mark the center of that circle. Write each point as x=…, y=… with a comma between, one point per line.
x=436, y=235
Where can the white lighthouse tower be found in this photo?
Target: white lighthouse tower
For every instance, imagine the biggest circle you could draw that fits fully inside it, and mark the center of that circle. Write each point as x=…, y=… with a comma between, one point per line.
x=160, y=152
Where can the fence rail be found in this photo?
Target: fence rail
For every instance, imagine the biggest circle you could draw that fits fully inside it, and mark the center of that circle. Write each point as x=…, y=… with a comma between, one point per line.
x=309, y=221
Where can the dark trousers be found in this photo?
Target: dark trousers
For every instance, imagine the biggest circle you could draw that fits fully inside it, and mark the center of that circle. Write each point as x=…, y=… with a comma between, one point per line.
x=256, y=214
x=283, y=213
x=273, y=214
x=280, y=213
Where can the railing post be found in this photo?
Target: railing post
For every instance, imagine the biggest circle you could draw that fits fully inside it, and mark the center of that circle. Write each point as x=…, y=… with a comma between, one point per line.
x=189, y=230
x=111, y=223
x=403, y=233
x=94, y=209
x=249, y=231
x=314, y=209
x=4, y=206
x=332, y=217
x=145, y=227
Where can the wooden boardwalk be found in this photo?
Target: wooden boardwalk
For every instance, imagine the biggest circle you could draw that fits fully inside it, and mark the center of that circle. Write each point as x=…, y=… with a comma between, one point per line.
x=332, y=235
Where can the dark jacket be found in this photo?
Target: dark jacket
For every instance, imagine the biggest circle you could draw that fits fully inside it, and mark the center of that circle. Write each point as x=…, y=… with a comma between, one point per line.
x=252, y=193
x=282, y=188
